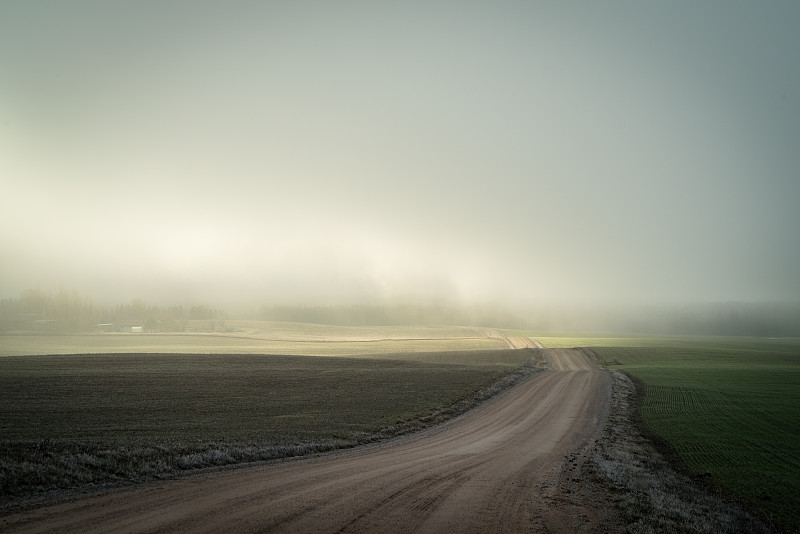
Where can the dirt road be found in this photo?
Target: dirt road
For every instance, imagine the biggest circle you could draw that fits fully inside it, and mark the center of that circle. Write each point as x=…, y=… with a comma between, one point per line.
x=523, y=343
x=499, y=468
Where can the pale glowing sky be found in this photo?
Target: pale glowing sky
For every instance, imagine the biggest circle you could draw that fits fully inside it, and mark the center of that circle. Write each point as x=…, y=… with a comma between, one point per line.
x=318, y=152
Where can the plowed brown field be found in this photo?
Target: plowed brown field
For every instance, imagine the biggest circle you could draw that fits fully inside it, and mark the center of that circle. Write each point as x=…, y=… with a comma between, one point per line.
x=499, y=468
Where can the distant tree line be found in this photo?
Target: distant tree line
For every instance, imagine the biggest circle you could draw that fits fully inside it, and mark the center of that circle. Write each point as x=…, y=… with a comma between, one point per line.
x=725, y=319
x=731, y=319
x=66, y=311
x=766, y=319
x=394, y=314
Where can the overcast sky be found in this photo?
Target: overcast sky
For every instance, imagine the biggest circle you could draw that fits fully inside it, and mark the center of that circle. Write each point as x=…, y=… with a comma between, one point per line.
x=322, y=152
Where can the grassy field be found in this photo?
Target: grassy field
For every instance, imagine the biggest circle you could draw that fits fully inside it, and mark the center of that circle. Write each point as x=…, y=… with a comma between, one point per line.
x=262, y=337
x=323, y=332
x=72, y=420
x=569, y=340
x=729, y=407
x=143, y=405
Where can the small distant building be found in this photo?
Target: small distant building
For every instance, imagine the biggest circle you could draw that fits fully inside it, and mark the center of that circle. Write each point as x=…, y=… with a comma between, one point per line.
x=133, y=329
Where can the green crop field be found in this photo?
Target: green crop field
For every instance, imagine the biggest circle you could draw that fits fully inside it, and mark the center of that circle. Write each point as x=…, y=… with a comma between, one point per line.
x=72, y=420
x=730, y=407
x=568, y=340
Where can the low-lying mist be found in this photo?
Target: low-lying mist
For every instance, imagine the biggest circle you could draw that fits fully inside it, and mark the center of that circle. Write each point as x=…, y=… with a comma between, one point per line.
x=66, y=311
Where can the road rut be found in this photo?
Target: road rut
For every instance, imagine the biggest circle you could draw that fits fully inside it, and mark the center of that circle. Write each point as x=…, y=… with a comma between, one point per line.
x=495, y=469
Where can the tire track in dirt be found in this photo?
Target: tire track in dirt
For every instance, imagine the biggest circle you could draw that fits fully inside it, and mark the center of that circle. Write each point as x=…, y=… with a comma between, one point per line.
x=497, y=468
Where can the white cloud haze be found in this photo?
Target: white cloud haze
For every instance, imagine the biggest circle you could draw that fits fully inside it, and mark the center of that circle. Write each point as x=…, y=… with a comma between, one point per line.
x=323, y=152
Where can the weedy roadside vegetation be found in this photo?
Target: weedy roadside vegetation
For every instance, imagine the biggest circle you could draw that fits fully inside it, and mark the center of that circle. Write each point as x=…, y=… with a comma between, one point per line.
x=82, y=421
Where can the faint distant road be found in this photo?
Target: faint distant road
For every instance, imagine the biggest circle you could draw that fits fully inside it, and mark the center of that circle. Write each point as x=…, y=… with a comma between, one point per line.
x=494, y=469
x=523, y=343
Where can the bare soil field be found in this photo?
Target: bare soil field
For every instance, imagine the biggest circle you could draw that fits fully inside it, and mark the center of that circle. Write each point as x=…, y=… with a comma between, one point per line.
x=503, y=467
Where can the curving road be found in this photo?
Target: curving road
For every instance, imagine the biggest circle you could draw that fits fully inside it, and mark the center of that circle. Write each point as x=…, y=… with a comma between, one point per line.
x=495, y=469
